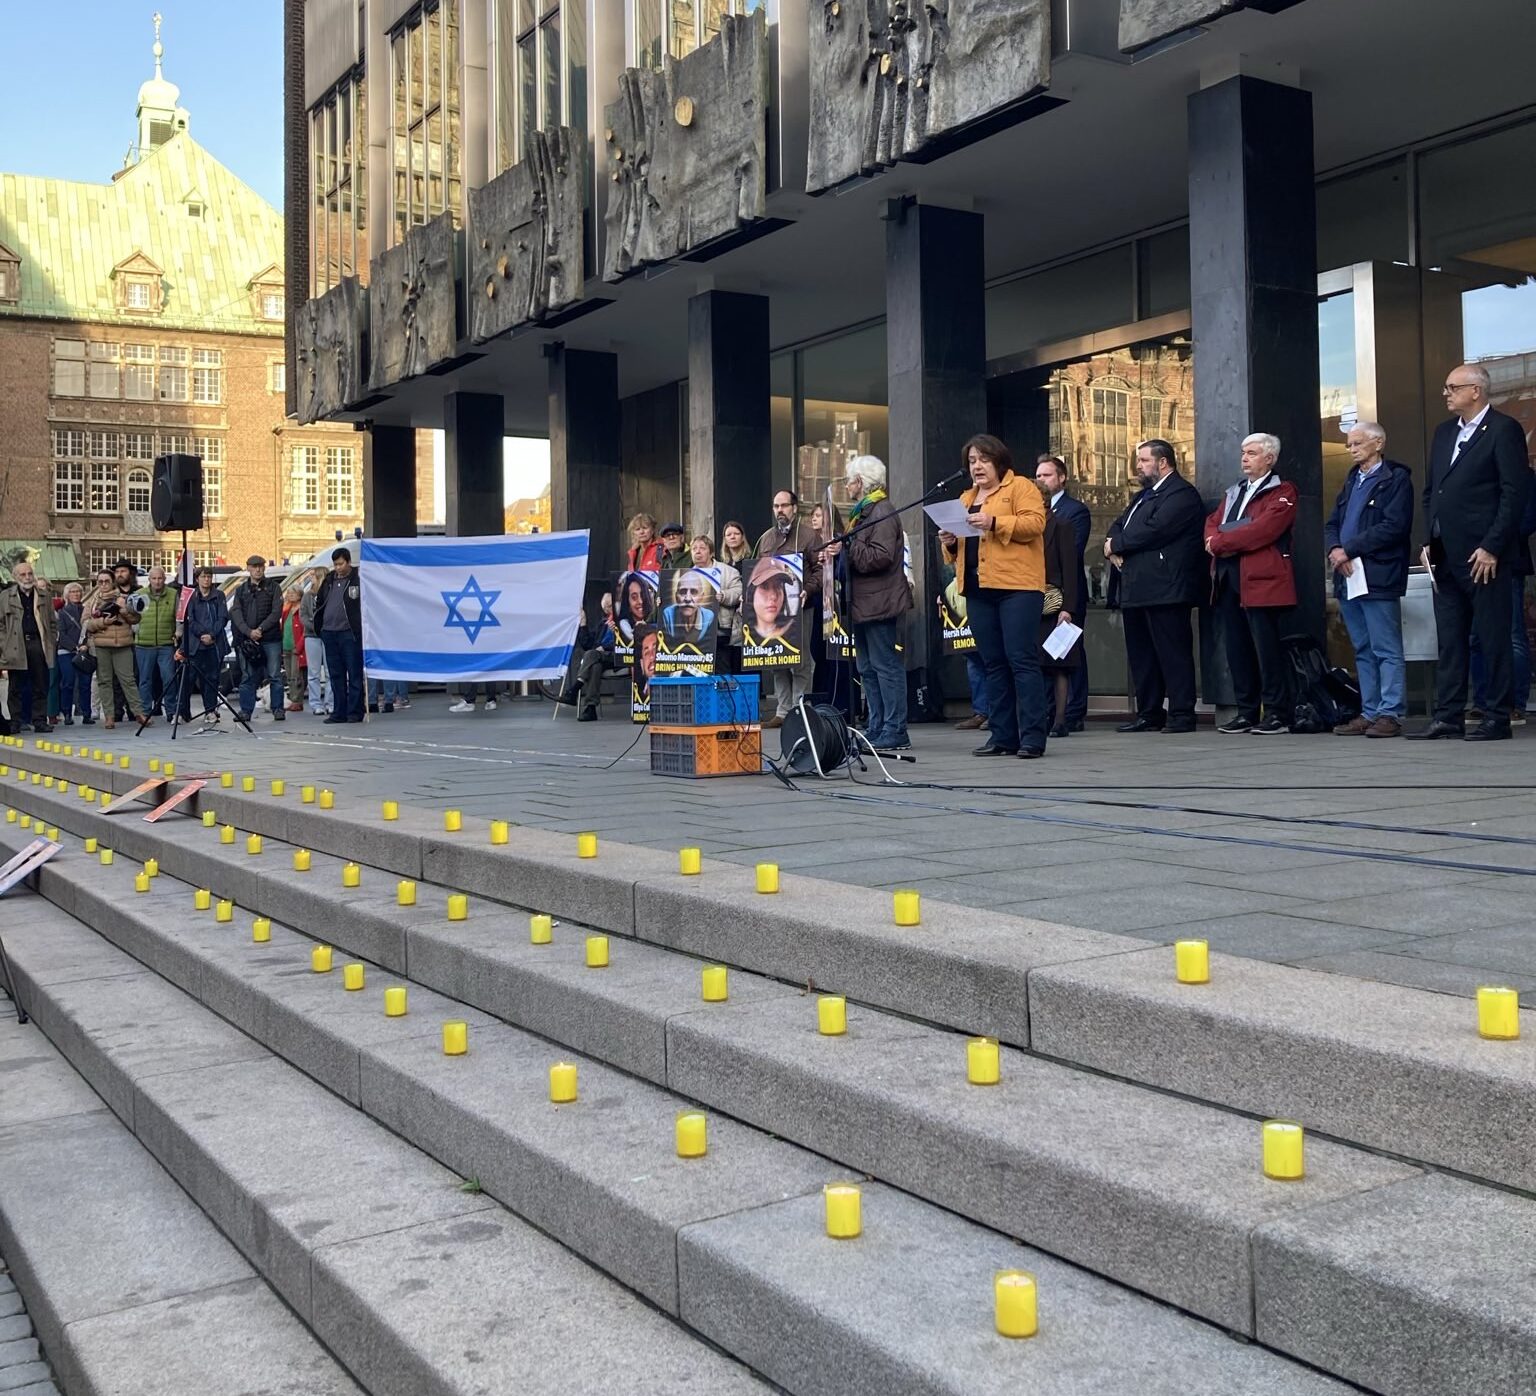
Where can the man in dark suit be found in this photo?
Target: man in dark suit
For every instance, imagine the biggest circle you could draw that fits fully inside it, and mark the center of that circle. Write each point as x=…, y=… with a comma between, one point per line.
x=1051, y=476
x=1474, y=497
x=1156, y=549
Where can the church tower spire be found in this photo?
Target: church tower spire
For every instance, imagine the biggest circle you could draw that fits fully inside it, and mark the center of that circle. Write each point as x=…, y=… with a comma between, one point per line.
x=159, y=114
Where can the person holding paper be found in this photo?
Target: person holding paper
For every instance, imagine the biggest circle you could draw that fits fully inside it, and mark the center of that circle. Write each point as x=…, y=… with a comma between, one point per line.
x=1063, y=606
x=1001, y=574
x=1253, y=585
x=1368, y=540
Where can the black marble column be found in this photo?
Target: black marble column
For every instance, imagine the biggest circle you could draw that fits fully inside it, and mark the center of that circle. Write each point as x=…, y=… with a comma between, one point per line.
x=389, y=482
x=936, y=351
x=730, y=453
x=473, y=428
x=584, y=454
x=1253, y=288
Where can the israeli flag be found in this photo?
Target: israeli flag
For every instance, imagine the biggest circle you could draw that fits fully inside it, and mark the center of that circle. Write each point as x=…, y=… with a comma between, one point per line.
x=470, y=610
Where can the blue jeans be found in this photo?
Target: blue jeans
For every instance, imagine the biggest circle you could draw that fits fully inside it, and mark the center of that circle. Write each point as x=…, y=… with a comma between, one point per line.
x=385, y=690
x=976, y=675
x=273, y=652
x=1520, y=642
x=344, y=663
x=884, y=677
x=74, y=687
x=147, y=659
x=1376, y=631
x=1006, y=625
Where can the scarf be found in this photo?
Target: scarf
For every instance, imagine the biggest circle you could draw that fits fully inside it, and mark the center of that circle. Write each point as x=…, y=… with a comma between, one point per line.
x=864, y=505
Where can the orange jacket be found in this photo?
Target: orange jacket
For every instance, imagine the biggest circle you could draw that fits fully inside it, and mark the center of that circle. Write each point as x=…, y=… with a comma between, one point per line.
x=1011, y=556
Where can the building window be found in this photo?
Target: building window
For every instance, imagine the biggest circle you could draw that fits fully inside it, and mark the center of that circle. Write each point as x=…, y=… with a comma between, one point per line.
x=69, y=486
x=139, y=372
x=207, y=376
x=338, y=238
x=1111, y=433
x=340, y=481
x=271, y=305
x=211, y=449
x=541, y=72
x=139, y=445
x=136, y=295
x=424, y=60
x=173, y=374
x=10, y=278
x=69, y=368
x=677, y=27
x=306, y=479
x=104, y=496
x=138, y=488
x=104, y=445
x=175, y=443
x=277, y=377
x=106, y=374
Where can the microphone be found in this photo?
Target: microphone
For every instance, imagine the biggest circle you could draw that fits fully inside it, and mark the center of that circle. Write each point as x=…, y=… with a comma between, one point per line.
x=962, y=474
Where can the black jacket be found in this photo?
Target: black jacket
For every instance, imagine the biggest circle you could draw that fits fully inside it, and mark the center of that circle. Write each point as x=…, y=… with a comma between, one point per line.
x=1383, y=538
x=354, y=585
x=1161, y=537
x=1079, y=517
x=257, y=608
x=1478, y=501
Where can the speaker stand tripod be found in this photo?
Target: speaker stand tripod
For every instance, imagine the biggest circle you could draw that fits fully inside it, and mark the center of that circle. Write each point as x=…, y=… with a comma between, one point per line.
x=220, y=696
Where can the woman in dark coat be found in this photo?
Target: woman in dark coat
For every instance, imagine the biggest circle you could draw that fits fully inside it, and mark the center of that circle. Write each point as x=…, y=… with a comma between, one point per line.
x=1060, y=573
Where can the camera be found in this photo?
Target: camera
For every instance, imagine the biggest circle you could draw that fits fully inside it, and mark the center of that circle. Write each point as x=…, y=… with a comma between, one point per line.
x=138, y=603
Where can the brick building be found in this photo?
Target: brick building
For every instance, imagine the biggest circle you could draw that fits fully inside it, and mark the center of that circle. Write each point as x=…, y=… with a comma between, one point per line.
x=145, y=316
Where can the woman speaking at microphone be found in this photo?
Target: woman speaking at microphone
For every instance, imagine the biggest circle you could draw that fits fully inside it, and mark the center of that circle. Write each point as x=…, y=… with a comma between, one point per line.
x=1001, y=574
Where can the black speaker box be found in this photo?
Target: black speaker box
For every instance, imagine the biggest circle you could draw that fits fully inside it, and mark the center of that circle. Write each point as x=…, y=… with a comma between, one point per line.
x=176, y=496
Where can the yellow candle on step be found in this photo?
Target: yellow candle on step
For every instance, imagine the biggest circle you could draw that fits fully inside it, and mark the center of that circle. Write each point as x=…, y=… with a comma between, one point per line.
x=226, y=833
x=301, y=859
x=562, y=1083
x=26, y=821
x=586, y=845
x=351, y=875
x=499, y=831
x=154, y=764
x=320, y=959
x=327, y=799
x=1283, y=1142
x=453, y=821
x=1498, y=1013
x=106, y=857
x=832, y=1015
x=716, y=983
x=455, y=1039
x=37, y=778
x=253, y=844
x=279, y=787
x=692, y=1135
x=90, y=797
x=458, y=907
x=141, y=882
x=261, y=930
x=352, y=976
x=209, y=819
x=390, y=809
x=11, y=816
x=247, y=783
x=47, y=782
x=982, y=1061
x=541, y=928
x=394, y=1001
x=307, y=794
x=1015, y=1303
x=689, y=861
x=767, y=877
x=202, y=899
x=405, y=892
x=224, y=911
x=91, y=845
x=63, y=787
x=168, y=768
x=844, y=1211
x=124, y=762
x=907, y=907
x=597, y=952
x=152, y=867
x=227, y=779
x=1192, y=961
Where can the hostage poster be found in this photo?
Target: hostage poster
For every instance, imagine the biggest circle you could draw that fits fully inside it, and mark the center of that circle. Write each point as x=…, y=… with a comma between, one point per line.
x=773, y=630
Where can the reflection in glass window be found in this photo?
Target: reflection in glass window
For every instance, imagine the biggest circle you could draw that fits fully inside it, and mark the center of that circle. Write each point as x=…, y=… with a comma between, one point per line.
x=337, y=166
x=844, y=410
x=1338, y=405
x=1091, y=293
x=1363, y=217
x=541, y=72
x=424, y=59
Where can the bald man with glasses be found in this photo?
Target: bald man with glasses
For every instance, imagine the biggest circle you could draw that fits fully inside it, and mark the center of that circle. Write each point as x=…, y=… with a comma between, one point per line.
x=1474, y=498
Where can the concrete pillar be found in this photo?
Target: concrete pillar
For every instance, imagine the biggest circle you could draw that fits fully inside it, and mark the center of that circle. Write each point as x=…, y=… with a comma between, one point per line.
x=1253, y=291
x=584, y=454
x=389, y=482
x=474, y=425
x=730, y=451
x=936, y=352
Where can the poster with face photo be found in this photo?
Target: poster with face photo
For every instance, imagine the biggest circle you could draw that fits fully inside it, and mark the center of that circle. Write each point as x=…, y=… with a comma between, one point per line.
x=954, y=622
x=646, y=640
x=836, y=633
x=772, y=613
x=689, y=621
x=636, y=604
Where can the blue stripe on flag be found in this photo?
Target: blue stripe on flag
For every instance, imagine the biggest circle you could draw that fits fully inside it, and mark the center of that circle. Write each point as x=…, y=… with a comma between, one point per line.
x=435, y=662
x=464, y=553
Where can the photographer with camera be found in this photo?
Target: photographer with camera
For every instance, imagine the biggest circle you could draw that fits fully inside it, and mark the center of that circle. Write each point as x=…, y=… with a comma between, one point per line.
x=256, y=615
x=111, y=619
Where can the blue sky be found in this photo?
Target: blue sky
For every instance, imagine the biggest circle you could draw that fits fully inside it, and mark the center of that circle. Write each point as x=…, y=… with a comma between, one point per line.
x=74, y=68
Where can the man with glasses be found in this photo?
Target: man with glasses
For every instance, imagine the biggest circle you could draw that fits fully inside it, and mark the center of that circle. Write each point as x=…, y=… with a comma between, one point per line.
x=1475, y=494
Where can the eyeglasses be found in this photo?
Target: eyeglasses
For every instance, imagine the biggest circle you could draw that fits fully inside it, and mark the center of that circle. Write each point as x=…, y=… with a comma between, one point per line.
x=1450, y=388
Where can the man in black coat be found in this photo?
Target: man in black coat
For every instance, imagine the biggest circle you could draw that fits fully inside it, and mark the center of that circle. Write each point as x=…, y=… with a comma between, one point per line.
x=1051, y=476
x=1157, y=554
x=1478, y=479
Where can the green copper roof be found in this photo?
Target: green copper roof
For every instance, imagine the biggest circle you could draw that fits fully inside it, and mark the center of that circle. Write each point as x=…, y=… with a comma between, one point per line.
x=70, y=236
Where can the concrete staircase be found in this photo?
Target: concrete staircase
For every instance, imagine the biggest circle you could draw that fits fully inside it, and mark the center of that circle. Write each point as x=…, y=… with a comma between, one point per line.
x=327, y=1141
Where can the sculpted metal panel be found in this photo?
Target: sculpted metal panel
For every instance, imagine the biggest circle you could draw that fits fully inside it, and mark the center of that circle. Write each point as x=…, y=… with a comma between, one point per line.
x=413, y=304
x=1143, y=22
x=888, y=76
x=687, y=149
x=328, y=342
x=525, y=243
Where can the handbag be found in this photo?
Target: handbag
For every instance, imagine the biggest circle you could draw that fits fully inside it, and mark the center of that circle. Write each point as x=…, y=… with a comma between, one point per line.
x=1053, y=601
x=85, y=661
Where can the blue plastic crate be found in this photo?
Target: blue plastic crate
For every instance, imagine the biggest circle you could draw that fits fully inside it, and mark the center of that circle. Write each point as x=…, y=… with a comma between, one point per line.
x=714, y=700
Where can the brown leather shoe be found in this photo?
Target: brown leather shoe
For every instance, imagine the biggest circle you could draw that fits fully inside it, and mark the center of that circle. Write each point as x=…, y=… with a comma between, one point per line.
x=1355, y=727
x=974, y=723
x=769, y=723
x=1385, y=727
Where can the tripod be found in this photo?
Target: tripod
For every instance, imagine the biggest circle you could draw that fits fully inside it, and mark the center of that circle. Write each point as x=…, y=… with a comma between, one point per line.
x=182, y=703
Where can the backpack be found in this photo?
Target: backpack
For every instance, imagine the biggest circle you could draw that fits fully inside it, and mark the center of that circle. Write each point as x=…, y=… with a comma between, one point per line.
x=1322, y=697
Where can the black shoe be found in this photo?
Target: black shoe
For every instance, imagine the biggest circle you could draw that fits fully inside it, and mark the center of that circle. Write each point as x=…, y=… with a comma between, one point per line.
x=389, y=707
x=87, y=721
x=1238, y=724
x=1060, y=730
x=1032, y=753
x=334, y=721
x=373, y=707
x=887, y=747
x=69, y=722
x=1140, y=725
x=1179, y=728
x=355, y=719
x=1074, y=727
x=1489, y=730
x=1438, y=731
x=42, y=727
x=1269, y=727
x=990, y=750
x=586, y=715
x=278, y=715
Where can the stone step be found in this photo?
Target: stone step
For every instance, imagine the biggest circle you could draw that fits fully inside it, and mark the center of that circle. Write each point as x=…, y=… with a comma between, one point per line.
x=603, y=1177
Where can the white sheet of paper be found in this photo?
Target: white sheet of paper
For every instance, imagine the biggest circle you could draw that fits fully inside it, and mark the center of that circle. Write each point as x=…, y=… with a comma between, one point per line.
x=950, y=516
x=1060, y=641
x=1354, y=583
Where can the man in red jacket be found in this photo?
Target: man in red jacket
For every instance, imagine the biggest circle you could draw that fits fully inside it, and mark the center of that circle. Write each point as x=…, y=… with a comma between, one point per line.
x=1253, y=585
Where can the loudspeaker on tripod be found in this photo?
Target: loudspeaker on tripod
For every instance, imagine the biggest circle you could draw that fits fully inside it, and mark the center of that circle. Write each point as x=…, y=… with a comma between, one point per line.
x=176, y=496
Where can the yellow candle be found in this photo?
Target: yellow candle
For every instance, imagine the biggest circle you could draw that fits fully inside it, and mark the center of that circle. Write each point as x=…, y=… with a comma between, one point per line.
x=458, y=907
x=307, y=794
x=261, y=930
x=124, y=762
x=37, y=778
x=562, y=1083
x=394, y=1001
x=327, y=799
x=106, y=857
x=982, y=1065
x=227, y=779
x=832, y=1015
x=279, y=787
x=692, y=1134
x=224, y=911
x=26, y=821
x=352, y=976
x=141, y=882
x=320, y=959
x=1015, y=1303
x=154, y=763
x=716, y=984
x=91, y=845
x=597, y=952
x=689, y=861
x=202, y=899
x=301, y=859
x=1283, y=1150
x=226, y=833
x=169, y=768
x=391, y=810
x=152, y=867
x=908, y=907
x=53, y=832
x=541, y=928
x=453, y=821
x=351, y=875
x=1192, y=961
x=586, y=845
x=48, y=782
x=405, y=892
x=253, y=844
x=4, y=769
x=499, y=830
x=209, y=819
x=455, y=1039
x=95, y=753
x=844, y=1221
x=63, y=787
x=1498, y=1013
x=90, y=797
x=247, y=783
x=767, y=877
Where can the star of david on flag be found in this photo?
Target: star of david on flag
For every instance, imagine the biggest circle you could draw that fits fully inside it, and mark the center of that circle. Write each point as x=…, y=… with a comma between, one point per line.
x=471, y=590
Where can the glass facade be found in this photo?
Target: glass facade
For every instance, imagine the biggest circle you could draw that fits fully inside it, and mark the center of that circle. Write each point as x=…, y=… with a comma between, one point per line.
x=843, y=411
x=338, y=227
x=428, y=116
x=677, y=27
x=540, y=65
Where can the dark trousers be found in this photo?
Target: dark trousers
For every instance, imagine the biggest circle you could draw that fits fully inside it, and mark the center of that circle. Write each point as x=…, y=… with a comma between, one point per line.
x=1077, y=694
x=1160, y=647
x=1462, y=610
x=29, y=688
x=344, y=663
x=1251, y=638
x=201, y=671
x=74, y=687
x=1006, y=625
